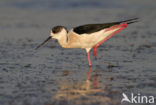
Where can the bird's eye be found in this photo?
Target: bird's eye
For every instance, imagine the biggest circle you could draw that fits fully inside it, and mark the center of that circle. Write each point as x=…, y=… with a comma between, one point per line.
x=57, y=29
x=54, y=31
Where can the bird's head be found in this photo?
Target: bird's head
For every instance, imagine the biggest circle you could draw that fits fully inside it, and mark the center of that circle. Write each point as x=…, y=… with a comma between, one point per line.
x=56, y=32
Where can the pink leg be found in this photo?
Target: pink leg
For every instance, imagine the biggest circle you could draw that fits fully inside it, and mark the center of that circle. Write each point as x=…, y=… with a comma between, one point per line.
x=88, y=77
x=123, y=26
x=89, y=61
x=94, y=51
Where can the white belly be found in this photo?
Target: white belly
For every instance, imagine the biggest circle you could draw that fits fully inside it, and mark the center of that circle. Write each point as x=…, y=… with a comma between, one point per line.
x=89, y=41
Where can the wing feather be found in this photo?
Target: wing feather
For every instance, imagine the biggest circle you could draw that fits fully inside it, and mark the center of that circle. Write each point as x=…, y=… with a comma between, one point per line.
x=91, y=28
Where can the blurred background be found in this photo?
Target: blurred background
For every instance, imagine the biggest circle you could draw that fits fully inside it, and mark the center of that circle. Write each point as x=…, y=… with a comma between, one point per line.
x=55, y=76
x=35, y=14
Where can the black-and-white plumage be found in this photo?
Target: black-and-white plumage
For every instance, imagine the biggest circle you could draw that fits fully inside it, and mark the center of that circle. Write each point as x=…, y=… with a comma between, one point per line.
x=90, y=28
x=87, y=36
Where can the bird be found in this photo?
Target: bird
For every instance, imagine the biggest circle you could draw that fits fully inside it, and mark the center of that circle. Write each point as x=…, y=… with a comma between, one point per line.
x=87, y=36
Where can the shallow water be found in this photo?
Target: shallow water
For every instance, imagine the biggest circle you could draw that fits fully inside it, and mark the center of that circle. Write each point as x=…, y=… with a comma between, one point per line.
x=52, y=75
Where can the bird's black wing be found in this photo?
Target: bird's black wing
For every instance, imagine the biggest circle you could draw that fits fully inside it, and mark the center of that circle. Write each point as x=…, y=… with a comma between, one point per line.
x=91, y=28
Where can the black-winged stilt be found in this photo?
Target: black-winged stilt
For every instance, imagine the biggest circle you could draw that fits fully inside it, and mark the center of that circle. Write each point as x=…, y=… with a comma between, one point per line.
x=87, y=36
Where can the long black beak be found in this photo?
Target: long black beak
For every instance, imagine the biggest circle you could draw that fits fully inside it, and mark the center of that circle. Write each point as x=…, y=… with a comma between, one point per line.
x=43, y=42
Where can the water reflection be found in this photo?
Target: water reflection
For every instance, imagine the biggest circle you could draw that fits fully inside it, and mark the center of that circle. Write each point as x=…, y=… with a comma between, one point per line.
x=85, y=92
x=76, y=90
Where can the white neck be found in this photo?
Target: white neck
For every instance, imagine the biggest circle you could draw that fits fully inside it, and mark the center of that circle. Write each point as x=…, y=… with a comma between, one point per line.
x=63, y=40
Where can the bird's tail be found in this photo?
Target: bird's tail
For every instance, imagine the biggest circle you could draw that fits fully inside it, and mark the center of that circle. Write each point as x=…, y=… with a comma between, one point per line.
x=129, y=21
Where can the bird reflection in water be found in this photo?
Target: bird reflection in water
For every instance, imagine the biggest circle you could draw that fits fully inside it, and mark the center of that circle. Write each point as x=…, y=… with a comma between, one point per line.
x=87, y=92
